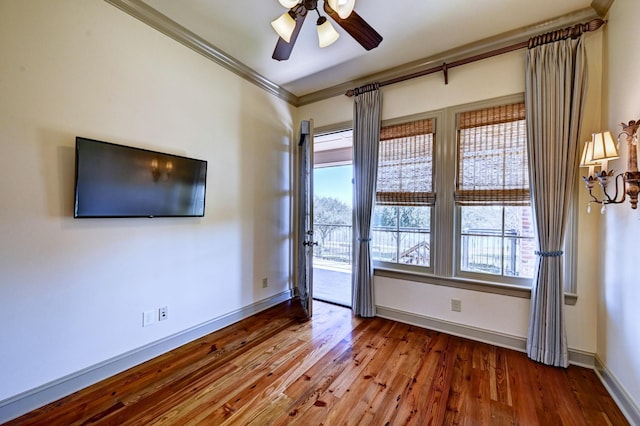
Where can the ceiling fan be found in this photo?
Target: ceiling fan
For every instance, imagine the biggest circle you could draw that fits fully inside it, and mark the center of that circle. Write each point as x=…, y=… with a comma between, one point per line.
x=341, y=11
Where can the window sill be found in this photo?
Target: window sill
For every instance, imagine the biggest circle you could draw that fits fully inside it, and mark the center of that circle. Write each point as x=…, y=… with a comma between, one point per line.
x=466, y=284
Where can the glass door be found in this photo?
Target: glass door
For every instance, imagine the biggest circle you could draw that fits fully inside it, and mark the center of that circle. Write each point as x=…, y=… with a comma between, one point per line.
x=333, y=217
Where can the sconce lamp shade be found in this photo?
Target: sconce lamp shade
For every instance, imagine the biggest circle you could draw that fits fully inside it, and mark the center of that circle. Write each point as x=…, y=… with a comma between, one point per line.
x=587, y=158
x=587, y=155
x=604, y=148
x=288, y=3
x=343, y=7
x=327, y=35
x=284, y=26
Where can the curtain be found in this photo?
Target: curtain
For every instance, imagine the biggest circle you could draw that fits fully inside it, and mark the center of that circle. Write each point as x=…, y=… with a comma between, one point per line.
x=555, y=88
x=366, y=137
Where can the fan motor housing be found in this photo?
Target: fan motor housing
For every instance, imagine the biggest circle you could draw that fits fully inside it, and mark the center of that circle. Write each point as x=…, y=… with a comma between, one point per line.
x=310, y=4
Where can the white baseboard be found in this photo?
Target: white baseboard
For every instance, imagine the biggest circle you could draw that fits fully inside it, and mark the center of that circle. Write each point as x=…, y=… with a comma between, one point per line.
x=628, y=407
x=576, y=357
x=27, y=401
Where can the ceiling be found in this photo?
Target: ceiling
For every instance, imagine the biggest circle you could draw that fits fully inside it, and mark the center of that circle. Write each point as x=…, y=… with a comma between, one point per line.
x=412, y=30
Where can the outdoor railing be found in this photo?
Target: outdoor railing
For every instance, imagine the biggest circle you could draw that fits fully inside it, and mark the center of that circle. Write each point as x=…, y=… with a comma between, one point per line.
x=487, y=251
x=334, y=242
x=483, y=252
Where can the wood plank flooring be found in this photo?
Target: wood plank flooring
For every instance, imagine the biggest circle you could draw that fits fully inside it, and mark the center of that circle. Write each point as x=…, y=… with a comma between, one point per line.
x=276, y=369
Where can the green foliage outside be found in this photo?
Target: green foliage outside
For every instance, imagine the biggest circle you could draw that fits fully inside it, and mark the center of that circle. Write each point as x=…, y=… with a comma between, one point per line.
x=404, y=217
x=327, y=212
x=331, y=211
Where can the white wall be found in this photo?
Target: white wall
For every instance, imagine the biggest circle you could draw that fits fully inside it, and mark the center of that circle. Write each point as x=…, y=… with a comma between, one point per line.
x=72, y=291
x=499, y=76
x=619, y=316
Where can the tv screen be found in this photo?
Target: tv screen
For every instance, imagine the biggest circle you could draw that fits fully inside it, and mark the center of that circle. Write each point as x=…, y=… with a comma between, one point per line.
x=121, y=181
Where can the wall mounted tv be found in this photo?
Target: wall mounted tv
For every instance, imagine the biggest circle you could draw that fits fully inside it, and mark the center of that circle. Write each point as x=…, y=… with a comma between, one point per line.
x=122, y=181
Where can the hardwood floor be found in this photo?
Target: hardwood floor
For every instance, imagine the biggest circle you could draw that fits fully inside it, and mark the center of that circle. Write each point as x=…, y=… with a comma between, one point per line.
x=274, y=369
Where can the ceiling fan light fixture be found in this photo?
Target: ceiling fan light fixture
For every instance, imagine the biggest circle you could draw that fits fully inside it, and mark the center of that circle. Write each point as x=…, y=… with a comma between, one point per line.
x=327, y=35
x=285, y=25
x=288, y=3
x=342, y=7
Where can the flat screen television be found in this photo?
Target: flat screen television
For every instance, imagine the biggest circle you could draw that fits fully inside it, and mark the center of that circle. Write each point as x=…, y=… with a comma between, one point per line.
x=122, y=181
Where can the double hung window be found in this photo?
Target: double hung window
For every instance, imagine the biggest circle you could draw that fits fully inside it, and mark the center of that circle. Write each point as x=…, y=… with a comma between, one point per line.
x=404, y=194
x=495, y=234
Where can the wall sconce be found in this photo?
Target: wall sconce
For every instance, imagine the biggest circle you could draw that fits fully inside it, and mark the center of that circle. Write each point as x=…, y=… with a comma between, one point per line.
x=156, y=173
x=597, y=152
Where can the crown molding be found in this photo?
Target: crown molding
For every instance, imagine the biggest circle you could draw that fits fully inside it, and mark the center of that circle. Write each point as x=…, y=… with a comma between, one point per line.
x=476, y=48
x=602, y=7
x=177, y=32
x=160, y=22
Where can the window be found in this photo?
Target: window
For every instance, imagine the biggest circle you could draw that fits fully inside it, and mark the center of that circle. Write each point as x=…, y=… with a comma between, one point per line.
x=453, y=200
x=404, y=194
x=497, y=240
x=495, y=233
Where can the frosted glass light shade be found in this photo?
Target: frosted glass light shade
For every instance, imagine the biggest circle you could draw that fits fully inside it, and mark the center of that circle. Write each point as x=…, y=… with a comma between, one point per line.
x=327, y=35
x=288, y=3
x=604, y=148
x=284, y=26
x=343, y=7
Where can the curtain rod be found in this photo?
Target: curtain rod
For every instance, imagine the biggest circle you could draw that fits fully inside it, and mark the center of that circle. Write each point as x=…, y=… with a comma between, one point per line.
x=552, y=36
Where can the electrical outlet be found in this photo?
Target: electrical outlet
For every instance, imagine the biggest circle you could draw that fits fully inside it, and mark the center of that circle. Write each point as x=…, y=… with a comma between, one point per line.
x=456, y=305
x=148, y=318
x=163, y=313
x=265, y=282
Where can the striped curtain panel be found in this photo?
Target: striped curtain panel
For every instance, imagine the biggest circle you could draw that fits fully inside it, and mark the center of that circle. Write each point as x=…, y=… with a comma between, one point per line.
x=366, y=136
x=555, y=89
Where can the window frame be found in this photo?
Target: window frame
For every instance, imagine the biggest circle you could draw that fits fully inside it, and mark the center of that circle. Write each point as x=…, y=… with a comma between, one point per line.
x=403, y=267
x=453, y=138
x=446, y=220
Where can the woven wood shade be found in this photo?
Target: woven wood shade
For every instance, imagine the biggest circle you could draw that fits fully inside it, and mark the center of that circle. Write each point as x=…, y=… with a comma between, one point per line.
x=405, y=164
x=492, y=157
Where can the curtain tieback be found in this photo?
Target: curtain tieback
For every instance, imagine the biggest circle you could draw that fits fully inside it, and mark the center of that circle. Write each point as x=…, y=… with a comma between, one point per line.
x=550, y=253
x=364, y=240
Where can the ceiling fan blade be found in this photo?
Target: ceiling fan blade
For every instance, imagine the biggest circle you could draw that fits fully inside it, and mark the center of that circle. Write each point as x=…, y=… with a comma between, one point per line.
x=283, y=49
x=357, y=28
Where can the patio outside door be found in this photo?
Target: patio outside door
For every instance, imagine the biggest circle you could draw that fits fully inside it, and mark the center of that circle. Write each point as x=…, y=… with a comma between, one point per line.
x=305, y=216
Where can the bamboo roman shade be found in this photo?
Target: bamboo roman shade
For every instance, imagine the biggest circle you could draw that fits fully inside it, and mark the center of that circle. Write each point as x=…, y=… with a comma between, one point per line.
x=492, y=157
x=405, y=164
